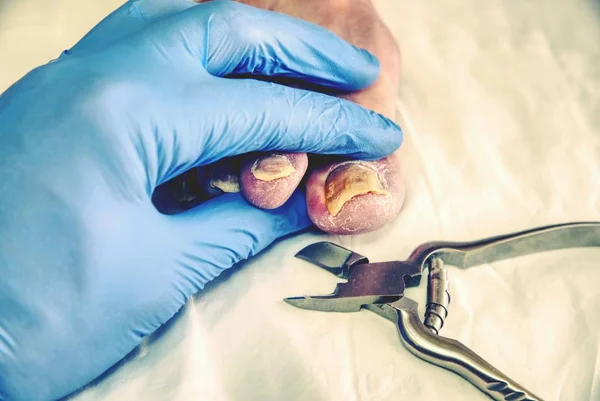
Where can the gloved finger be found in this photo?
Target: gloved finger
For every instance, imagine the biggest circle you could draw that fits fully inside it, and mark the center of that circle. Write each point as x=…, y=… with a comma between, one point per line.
x=127, y=19
x=261, y=116
x=227, y=39
x=218, y=234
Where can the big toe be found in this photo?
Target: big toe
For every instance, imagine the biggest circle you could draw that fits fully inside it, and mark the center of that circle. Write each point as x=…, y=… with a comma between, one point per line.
x=355, y=197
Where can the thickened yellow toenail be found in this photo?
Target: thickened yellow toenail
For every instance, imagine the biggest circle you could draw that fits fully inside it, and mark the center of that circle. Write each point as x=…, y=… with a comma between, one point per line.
x=272, y=167
x=348, y=181
x=227, y=183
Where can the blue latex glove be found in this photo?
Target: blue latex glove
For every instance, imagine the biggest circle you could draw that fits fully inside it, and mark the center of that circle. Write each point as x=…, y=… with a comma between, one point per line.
x=88, y=266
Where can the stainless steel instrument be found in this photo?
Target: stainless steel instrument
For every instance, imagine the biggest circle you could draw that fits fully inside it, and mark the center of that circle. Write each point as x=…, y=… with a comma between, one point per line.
x=379, y=288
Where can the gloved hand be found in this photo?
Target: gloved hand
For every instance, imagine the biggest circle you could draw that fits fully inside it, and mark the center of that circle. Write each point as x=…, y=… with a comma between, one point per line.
x=88, y=266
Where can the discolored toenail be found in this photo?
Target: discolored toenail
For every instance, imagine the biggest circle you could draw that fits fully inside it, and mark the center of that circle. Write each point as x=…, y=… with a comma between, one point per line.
x=226, y=183
x=348, y=181
x=272, y=167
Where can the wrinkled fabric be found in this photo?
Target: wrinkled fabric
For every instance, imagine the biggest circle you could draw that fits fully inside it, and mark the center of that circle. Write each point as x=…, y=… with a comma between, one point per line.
x=500, y=104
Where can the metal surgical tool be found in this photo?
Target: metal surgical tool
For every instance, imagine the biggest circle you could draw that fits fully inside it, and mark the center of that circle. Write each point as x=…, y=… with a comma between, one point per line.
x=379, y=288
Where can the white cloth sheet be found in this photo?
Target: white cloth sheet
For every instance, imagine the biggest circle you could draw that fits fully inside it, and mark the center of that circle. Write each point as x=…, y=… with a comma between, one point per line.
x=500, y=101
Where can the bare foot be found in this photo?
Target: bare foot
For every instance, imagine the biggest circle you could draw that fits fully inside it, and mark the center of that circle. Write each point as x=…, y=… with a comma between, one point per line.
x=348, y=197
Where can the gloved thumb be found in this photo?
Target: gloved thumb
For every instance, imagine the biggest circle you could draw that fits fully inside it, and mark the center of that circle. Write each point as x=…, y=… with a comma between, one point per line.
x=218, y=234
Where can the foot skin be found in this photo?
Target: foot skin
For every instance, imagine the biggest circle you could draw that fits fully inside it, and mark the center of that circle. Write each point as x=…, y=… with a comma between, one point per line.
x=342, y=197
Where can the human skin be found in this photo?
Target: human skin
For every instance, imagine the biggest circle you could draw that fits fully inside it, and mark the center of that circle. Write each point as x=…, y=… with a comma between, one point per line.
x=347, y=197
